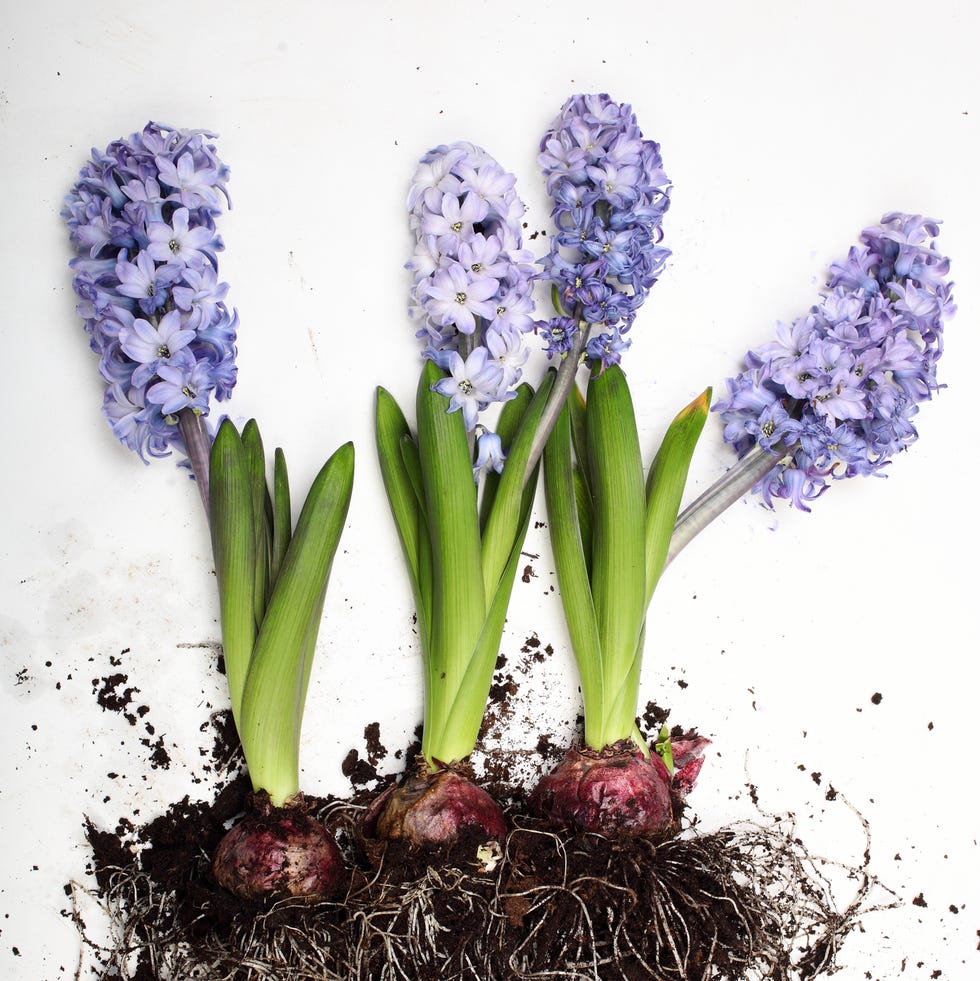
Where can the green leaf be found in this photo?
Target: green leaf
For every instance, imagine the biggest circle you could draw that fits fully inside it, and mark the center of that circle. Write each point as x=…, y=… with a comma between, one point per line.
x=618, y=557
x=391, y=430
x=580, y=452
x=663, y=748
x=665, y=484
x=580, y=455
x=507, y=425
x=261, y=514
x=458, y=605
x=465, y=716
x=233, y=545
x=571, y=565
x=584, y=510
x=423, y=569
x=275, y=689
x=503, y=521
x=412, y=463
x=282, y=523
x=620, y=720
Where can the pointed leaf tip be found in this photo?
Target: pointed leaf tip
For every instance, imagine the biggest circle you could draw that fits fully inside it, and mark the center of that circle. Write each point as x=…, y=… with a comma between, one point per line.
x=699, y=406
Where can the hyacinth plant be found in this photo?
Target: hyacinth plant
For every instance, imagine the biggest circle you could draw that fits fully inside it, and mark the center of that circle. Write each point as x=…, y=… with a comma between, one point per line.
x=141, y=218
x=610, y=530
x=456, y=487
x=832, y=397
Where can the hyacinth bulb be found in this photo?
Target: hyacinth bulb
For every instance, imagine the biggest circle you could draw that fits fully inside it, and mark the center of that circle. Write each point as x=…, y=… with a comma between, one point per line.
x=618, y=790
x=432, y=809
x=278, y=852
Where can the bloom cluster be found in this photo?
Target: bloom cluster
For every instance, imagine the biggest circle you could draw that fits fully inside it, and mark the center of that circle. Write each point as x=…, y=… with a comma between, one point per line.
x=141, y=218
x=610, y=194
x=471, y=294
x=835, y=393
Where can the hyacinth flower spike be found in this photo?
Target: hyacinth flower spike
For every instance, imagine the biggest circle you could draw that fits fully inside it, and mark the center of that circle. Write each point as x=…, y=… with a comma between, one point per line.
x=141, y=217
x=610, y=532
x=457, y=490
x=834, y=395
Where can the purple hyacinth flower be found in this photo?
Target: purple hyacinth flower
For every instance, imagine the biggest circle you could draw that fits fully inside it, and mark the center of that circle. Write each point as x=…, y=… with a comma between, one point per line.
x=141, y=219
x=834, y=395
x=610, y=194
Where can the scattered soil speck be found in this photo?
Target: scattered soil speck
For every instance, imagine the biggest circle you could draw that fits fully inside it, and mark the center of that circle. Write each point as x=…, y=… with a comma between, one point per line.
x=654, y=717
x=372, y=738
x=359, y=772
x=113, y=697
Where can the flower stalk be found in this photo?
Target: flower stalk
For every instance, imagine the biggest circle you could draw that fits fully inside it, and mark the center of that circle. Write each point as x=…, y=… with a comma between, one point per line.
x=197, y=443
x=565, y=377
x=721, y=495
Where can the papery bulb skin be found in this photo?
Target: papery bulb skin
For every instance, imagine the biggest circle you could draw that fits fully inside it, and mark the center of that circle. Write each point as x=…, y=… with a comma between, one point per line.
x=278, y=852
x=614, y=791
x=432, y=809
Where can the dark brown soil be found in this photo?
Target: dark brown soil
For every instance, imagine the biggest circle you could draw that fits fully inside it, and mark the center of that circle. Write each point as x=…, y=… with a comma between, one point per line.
x=744, y=903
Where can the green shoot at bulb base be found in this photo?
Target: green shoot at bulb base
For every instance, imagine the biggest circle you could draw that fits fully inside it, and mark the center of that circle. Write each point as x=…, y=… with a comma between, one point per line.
x=272, y=582
x=461, y=553
x=610, y=534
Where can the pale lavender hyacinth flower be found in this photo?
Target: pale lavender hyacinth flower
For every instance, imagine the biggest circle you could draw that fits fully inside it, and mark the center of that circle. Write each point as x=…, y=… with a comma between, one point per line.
x=471, y=294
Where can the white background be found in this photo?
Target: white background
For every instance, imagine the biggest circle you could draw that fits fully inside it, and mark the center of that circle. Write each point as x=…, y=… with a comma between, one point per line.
x=786, y=127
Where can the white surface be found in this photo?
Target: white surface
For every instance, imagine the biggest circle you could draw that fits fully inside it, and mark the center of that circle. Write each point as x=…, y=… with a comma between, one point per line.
x=786, y=128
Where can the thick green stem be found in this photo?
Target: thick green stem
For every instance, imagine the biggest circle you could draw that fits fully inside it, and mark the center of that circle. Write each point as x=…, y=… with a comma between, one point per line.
x=735, y=484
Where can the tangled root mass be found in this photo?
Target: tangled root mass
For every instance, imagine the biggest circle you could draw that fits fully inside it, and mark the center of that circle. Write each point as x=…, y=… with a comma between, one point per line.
x=745, y=903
